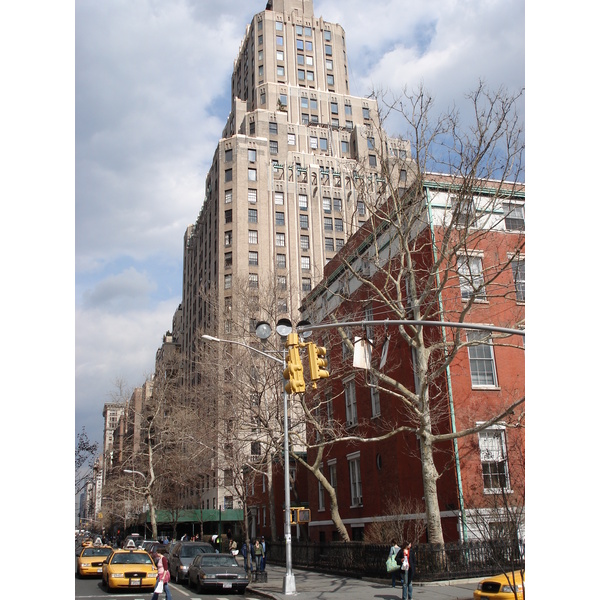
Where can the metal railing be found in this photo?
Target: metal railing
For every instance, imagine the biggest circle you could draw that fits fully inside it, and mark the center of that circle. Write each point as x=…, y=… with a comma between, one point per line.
x=432, y=562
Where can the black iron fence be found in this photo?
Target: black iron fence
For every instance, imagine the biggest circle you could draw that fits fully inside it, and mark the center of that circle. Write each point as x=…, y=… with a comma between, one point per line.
x=432, y=562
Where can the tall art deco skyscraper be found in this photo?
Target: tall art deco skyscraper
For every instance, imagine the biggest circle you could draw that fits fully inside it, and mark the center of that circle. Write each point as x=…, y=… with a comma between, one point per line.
x=282, y=195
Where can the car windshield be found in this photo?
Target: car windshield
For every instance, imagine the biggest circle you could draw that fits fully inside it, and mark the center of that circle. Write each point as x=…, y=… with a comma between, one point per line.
x=131, y=558
x=219, y=561
x=190, y=551
x=97, y=552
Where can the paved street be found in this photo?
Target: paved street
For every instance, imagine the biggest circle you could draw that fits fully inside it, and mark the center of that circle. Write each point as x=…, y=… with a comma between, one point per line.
x=309, y=586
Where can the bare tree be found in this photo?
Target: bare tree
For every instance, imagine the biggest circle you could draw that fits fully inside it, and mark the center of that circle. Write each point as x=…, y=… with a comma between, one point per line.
x=407, y=273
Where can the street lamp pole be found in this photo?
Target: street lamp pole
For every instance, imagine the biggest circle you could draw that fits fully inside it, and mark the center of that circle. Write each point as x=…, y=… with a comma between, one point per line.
x=289, y=580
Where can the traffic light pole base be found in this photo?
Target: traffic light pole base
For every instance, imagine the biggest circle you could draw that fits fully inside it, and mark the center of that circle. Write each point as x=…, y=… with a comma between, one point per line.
x=289, y=584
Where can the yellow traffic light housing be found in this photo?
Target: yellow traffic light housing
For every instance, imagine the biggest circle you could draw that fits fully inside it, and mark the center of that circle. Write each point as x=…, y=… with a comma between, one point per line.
x=293, y=373
x=317, y=362
x=299, y=515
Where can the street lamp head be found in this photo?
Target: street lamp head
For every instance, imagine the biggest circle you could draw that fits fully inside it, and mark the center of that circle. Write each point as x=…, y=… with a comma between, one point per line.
x=210, y=338
x=283, y=327
x=263, y=330
x=304, y=332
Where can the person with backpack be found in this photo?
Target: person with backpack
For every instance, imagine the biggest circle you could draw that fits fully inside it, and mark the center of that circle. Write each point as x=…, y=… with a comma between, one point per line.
x=395, y=552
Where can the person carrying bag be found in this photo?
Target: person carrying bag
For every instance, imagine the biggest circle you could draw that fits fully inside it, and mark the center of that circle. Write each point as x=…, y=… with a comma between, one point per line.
x=163, y=578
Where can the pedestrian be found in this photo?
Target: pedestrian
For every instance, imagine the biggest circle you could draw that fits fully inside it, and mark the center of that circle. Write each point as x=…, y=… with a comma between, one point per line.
x=164, y=575
x=394, y=552
x=407, y=570
x=258, y=554
x=263, y=562
x=247, y=564
x=252, y=555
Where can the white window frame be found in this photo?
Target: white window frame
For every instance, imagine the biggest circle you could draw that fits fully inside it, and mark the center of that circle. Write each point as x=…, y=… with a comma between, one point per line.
x=470, y=277
x=350, y=402
x=482, y=355
x=355, y=479
x=493, y=452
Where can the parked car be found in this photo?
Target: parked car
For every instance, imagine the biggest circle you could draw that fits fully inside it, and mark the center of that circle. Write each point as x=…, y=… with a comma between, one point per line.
x=182, y=555
x=500, y=587
x=130, y=569
x=217, y=572
x=91, y=559
x=146, y=544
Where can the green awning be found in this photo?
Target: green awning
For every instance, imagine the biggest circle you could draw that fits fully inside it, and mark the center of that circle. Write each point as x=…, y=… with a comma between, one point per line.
x=198, y=515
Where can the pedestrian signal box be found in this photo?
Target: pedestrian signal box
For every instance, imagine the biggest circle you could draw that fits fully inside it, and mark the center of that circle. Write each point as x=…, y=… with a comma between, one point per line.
x=299, y=515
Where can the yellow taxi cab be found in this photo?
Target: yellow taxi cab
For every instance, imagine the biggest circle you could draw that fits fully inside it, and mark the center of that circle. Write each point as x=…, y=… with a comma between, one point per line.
x=129, y=569
x=91, y=559
x=501, y=587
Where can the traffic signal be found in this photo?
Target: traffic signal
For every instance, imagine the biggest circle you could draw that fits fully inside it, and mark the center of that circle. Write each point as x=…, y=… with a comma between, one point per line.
x=316, y=362
x=299, y=515
x=293, y=373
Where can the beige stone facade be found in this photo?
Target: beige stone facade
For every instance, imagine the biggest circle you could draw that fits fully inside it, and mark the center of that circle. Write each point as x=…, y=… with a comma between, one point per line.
x=281, y=195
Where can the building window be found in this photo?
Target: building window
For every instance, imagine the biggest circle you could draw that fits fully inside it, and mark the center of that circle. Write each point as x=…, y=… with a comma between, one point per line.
x=323, y=144
x=321, y=496
x=251, y=174
x=280, y=261
x=365, y=112
x=252, y=215
x=375, y=403
x=328, y=50
x=272, y=127
x=470, y=275
x=228, y=174
x=303, y=221
x=337, y=204
x=228, y=259
x=339, y=225
x=328, y=244
x=314, y=142
x=494, y=459
x=300, y=59
x=372, y=160
x=306, y=284
x=252, y=236
x=305, y=263
x=518, y=269
x=291, y=139
x=330, y=80
x=327, y=223
x=481, y=360
x=329, y=64
x=345, y=147
x=350, y=397
x=361, y=208
x=252, y=196
x=304, y=242
x=279, y=198
x=255, y=448
x=280, y=240
x=273, y=147
x=253, y=280
x=355, y=480
x=228, y=280
x=326, y=204
x=253, y=258
x=514, y=216
x=251, y=155
x=280, y=71
x=281, y=282
x=301, y=75
x=303, y=201
x=339, y=244
x=228, y=238
x=310, y=75
x=279, y=40
x=334, y=108
x=279, y=218
x=228, y=196
x=228, y=216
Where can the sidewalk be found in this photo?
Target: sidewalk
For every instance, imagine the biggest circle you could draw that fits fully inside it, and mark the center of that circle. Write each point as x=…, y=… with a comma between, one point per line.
x=319, y=586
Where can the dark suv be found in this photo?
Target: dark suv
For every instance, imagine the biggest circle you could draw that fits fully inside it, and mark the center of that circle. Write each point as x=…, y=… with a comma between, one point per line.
x=182, y=555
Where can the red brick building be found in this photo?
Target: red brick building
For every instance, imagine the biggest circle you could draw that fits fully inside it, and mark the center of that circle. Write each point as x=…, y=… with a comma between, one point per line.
x=464, y=244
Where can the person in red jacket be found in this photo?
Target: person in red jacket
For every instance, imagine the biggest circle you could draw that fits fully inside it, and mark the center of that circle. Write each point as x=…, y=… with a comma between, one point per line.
x=164, y=574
